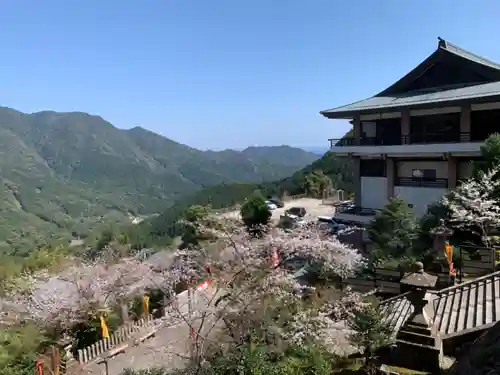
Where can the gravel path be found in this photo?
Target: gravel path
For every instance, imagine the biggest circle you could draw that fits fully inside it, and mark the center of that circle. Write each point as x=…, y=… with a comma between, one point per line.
x=314, y=208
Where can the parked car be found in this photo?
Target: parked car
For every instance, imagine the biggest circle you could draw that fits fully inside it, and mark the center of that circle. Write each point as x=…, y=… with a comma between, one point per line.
x=278, y=202
x=271, y=206
x=290, y=221
x=332, y=225
x=296, y=211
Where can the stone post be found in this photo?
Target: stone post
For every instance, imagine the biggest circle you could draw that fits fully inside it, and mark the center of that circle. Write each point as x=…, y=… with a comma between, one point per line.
x=417, y=338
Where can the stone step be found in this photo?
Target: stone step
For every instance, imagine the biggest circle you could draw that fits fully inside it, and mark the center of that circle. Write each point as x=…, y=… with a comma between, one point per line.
x=416, y=338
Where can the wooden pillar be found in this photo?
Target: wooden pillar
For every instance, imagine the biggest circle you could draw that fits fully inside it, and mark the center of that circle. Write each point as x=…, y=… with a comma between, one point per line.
x=452, y=172
x=356, y=126
x=357, y=181
x=390, y=172
x=465, y=123
x=55, y=360
x=405, y=127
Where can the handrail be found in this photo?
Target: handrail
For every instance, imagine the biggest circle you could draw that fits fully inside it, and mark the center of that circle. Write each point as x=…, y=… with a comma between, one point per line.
x=421, y=182
x=429, y=138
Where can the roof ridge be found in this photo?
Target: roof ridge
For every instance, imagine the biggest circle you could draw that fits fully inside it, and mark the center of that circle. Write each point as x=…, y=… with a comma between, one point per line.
x=450, y=47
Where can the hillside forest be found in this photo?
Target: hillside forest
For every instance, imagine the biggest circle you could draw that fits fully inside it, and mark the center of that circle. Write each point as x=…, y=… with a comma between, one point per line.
x=67, y=175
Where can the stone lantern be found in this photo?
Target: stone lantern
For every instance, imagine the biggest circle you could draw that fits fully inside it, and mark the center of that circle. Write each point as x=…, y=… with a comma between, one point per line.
x=440, y=265
x=419, y=346
x=441, y=234
x=417, y=284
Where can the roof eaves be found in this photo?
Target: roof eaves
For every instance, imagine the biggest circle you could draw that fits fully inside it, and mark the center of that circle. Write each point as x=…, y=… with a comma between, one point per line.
x=338, y=110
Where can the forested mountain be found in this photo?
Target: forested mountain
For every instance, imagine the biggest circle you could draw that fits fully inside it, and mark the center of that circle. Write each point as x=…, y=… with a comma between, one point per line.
x=67, y=173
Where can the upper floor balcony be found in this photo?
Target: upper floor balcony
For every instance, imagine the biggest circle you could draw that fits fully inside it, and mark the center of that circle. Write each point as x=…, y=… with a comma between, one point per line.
x=452, y=130
x=427, y=143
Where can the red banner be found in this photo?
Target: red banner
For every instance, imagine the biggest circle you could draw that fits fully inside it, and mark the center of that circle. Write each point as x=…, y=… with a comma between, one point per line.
x=39, y=367
x=275, y=258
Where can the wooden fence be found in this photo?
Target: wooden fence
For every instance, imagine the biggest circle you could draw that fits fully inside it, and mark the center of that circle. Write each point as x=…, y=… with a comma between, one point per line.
x=116, y=339
x=139, y=330
x=384, y=280
x=387, y=281
x=476, y=261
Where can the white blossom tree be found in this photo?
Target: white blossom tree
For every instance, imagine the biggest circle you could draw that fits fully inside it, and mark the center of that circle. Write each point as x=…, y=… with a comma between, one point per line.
x=67, y=298
x=253, y=298
x=249, y=296
x=473, y=205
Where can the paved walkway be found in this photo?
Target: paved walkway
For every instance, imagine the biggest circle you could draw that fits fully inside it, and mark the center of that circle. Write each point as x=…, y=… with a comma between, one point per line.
x=169, y=348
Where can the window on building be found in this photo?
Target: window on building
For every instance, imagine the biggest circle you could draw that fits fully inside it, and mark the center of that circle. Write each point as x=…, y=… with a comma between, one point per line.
x=442, y=128
x=372, y=168
x=426, y=174
x=484, y=123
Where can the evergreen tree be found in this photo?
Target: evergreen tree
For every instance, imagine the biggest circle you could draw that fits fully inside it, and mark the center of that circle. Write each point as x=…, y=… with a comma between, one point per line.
x=254, y=212
x=316, y=183
x=490, y=153
x=393, y=231
x=369, y=331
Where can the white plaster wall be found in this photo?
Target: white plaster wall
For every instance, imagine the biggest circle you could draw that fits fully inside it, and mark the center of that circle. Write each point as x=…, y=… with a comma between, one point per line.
x=405, y=168
x=420, y=197
x=373, y=192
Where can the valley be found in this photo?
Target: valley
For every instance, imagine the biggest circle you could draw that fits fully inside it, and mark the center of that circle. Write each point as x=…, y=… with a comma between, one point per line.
x=66, y=175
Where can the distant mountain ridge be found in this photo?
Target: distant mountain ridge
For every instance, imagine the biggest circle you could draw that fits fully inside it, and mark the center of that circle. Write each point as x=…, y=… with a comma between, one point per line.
x=318, y=150
x=67, y=173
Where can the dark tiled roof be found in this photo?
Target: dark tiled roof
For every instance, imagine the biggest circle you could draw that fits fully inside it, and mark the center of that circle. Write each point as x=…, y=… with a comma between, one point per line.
x=462, y=308
x=472, y=305
x=387, y=100
x=450, y=47
x=417, y=98
x=483, y=358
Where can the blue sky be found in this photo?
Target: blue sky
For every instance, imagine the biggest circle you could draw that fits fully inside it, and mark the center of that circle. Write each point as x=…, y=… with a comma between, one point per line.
x=225, y=73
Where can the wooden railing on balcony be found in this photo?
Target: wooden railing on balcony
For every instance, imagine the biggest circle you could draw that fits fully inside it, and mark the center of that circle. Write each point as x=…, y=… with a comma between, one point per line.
x=429, y=138
x=422, y=182
x=350, y=141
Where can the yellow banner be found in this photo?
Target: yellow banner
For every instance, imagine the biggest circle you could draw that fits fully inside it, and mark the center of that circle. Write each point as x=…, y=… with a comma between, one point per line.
x=104, y=328
x=145, y=304
x=448, y=251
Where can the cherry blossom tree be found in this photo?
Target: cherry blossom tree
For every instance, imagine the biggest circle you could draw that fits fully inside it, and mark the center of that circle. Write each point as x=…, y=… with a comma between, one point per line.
x=82, y=288
x=250, y=297
x=253, y=298
x=473, y=205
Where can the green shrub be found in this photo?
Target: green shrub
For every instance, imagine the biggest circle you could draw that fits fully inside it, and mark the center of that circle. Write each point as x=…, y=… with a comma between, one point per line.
x=254, y=212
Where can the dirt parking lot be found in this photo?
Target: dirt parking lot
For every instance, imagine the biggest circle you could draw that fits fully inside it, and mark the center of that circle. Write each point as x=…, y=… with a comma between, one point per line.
x=314, y=208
